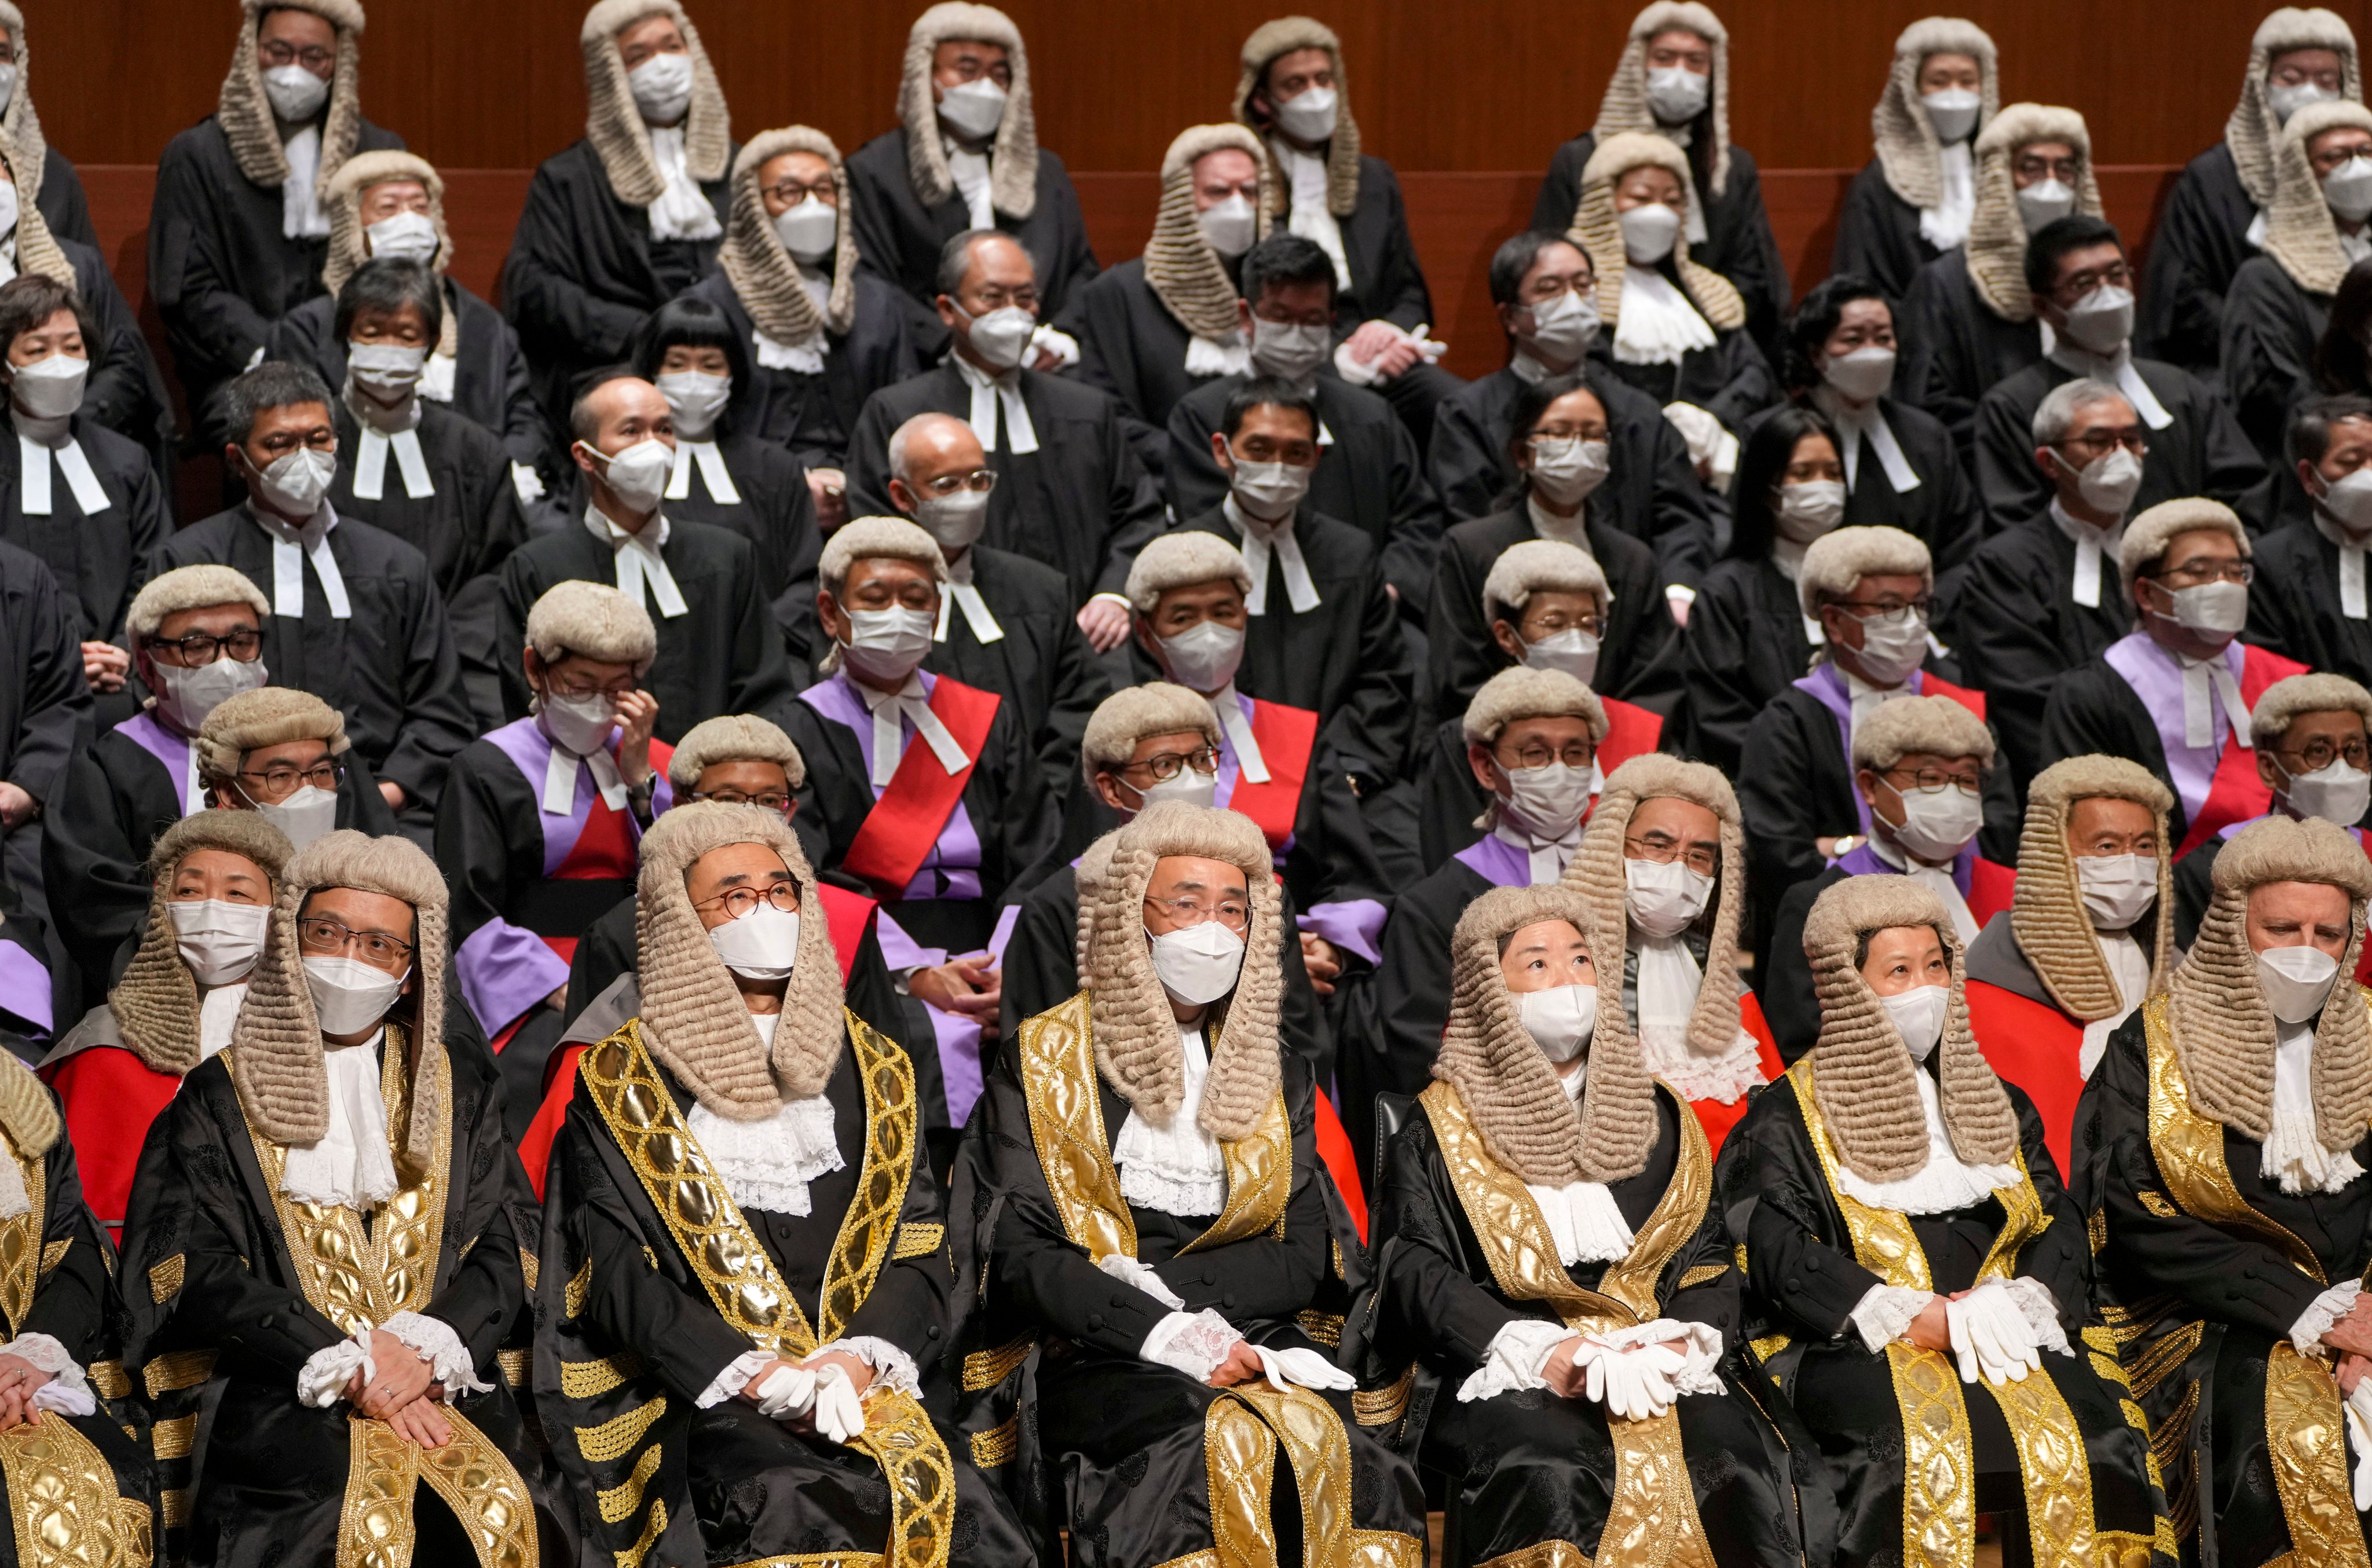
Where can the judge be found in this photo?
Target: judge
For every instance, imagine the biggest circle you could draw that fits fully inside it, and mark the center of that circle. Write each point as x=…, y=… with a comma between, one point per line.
x=1514, y=1149
x=1196, y=1282
x=1156, y=326
x=392, y=205
x=1071, y=492
x=2040, y=597
x=720, y=650
x=49, y=179
x=2230, y=1212
x=1370, y=470
x=356, y=617
x=1322, y=186
x=1916, y=1276
x=240, y=228
x=1913, y=201
x=2082, y=291
x=2215, y=218
x=1005, y=623
x=2174, y=693
x=1969, y=322
x=2310, y=606
x=436, y=480
x=2088, y=934
x=1673, y=81
x=44, y=714
x=630, y=216
x=822, y=332
x=208, y=916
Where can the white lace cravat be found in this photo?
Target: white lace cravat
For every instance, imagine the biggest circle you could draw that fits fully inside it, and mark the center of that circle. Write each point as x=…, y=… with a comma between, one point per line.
x=2117, y=370
x=908, y=702
x=1310, y=217
x=291, y=547
x=38, y=440
x=682, y=212
x=1175, y=1167
x=2091, y=546
x=2293, y=1151
x=350, y=1165
x=1261, y=541
x=988, y=392
x=301, y=216
x=804, y=357
x=1943, y=1184
x=714, y=474
x=1658, y=325
x=2350, y=564
x=639, y=561
x=1228, y=354
x=2200, y=677
x=962, y=592
x=1238, y=730
x=1946, y=225
x=1867, y=425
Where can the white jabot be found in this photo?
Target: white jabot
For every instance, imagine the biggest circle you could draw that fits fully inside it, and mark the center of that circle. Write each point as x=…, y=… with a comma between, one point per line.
x=38, y=440
x=301, y=216
x=381, y=427
x=1586, y=1222
x=1573, y=530
x=1547, y=857
x=714, y=474
x=1228, y=354
x=1944, y=1183
x=217, y=1015
x=2200, y=719
x=2293, y=1153
x=350, y=1166
x=1312, y=219
x=909, y=702
x=974, y=174
x=961, y=591
x=1175, y=1167
x=1867, y=425
x=1946, y=225
x=682, y=212
x=1262, y=539
x=291, y=547
x=2350, y=564
x=1658, y=325
x=987, y=394
x=2117, y=371
x=2129, y=965
x=639, y=561
x=560, y=779
x=767, y=1165
x=1249, y=759
x=804, y=357
x=2257, y=230
x=2092, y=545
x=1936, y=879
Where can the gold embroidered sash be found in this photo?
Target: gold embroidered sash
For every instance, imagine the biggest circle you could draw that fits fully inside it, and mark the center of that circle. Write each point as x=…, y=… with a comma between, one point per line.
x=2306, y=1440
x=20, y=1241
x=62, y=1502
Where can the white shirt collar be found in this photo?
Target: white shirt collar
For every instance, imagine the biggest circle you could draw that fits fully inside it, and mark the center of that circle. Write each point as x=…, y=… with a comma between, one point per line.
x=639, y=560
x=989, y=392
x=2092, y=546
x=1259, y=541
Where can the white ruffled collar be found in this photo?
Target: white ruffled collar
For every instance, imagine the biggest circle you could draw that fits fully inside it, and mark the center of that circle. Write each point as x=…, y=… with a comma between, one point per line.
x=1176, y=1169
x=1657, y=324
x=767, y=1165
x=1941, y=1185
x=2292, y=1154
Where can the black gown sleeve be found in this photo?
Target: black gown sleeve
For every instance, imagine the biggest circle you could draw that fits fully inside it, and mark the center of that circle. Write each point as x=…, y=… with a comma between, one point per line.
x=1776, y=1200
x=483, y=1299
x=72, y=1298
x=541, y=281
x=199, y=301
x=54, y=704
x=1431, y=1302
x=435, y=721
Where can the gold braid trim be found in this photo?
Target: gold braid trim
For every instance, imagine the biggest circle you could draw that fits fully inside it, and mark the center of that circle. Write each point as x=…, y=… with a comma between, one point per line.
x=918, y=1241
x=987, y=1369
x=62, y=1499
x=2306, y=1439
x=20, y=1242
x=1382, y=1407
x=653, y=1527
x=1386, y=1549
x=922, y=1477
x=2189, y=1149
x=1319, y=1452
x=623, y=1501
x=179, y=1369
x=165, y=1279
x=998, y=1444
x=55, y=1253
x=469, y=1475
x=1239, y=1461
x=172, y=1439
x=2051, y=1460
x=865, y=1230
x=585, y=1379
x=616, y=1437
x=1939, y=1499
x=1547, y=1554
x=579, y=1285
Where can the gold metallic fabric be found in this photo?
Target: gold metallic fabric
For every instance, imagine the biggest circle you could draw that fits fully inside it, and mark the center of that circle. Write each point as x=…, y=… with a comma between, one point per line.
x=62, y=1502
x=1939, y=1494
x=987, y=1369
x=165, y=1279
x=20, y=1242
x=998, y=1444
x=1260, y=1179
x=585, y=1379
x=469, y=1475
x=1239, y=1460
x=2058, y=1477
x=178, y=1369
x=2306, y=1439
x=2189, y=1149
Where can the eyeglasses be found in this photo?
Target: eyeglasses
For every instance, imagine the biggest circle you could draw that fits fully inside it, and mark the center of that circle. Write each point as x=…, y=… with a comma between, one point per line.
x=1169, y=764
x=739, y=901
x=2065, y=169
x=1566, y=432
x=2098, y=443
x=2192, y=573
x=280, y=443
x=995, y=299
x=1664, y=850
x=198, y=648
x=279, y=52
x=770, y=800
x=1933, y=781
x=2319, y=753
x=282, y=779
x=1887, y=614
x=579, y=690
x=1576, y=754
x=790, y=192
x=320, y=934
x=1230, y=912
x=1549, y=623
x=2115, y=275
x=981, y=480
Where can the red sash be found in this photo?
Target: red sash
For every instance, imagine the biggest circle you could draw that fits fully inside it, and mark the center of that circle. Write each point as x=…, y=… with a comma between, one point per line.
x=905, y=823
x=2236, y=792
x=1334, y=1152
x=1631, y=731
x=1931, y=686
x=1284, y=737
x=2036, y=1047
x=1991, y=884
x=1715, y=1117
x=109, y=1096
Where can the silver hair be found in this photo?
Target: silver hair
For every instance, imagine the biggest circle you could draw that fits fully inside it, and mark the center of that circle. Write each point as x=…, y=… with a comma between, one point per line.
x=2056, y=417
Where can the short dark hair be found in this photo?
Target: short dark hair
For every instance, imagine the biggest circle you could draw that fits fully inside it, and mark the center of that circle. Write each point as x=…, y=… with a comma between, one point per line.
x=1273, y=391
x=275, y=383
x=2054, y=239
x=2310, y=423
x=955, y=257
x=32, y=299
x=582, y=424
x=1813, y=321
x=1770, y=447
x=1532, y=400
x=1514, y=258
x=689, y=321
x=1287, y=258
x=389, y=283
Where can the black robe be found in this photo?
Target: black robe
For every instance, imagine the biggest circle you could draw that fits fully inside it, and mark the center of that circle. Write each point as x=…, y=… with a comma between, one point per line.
x=62, y=203
x=1134, y=348
x=1082, y=502
x=1877, y=236
x=1942, y=511
x=619, y=1292
x=94, y=557
x=1732, y=380
x=219, y=268
x=2203, y=452
x=209, y=1240
x=1512, y=1459
x=724, y=655
x=584, y=271
x=492, y=386
x=815, y=416
x=1393, y=1026
x=1370, y=475
x=2270, y=327
x=469, y=523
x=2018, y=628
x=124, y=391
x=1956, y=349
x=2294, y=607
x=2092, y=708
x=1042, y=666
x=1790, y=1006
x=1804, y=1278
x=1737, y=244
x=900, y=238
x=1744, y=645
x=1636, y=648
x=2200, y=240
x=391, y=668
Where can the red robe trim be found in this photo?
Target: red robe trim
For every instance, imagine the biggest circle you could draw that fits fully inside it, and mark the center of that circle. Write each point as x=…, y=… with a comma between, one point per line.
x=907, y=821
x=2236, y=793
x=1335, y=1154
x=1285, y=736
x=1973, y=701
x=1631, y=731
x=109, y=1096
x=1717, y=1118
x=1990, y=887
x=2036, y=1047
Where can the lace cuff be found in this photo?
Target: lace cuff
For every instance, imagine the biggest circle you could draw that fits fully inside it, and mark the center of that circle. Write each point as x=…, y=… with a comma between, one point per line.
x=1128, y=1271
x=1886, y=1312
x=2041, y=1309
x=1514, y=1359
x=736, y=1377
x=1697, y=1374
x=1191, y=1343
x=435, y=1342
x=892, y=1367
x=66, y=1392
x=2322, y=1313
x=322, y=1381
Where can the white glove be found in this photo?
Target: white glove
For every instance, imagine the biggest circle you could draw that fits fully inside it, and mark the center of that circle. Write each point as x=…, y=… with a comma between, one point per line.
x=1306, y=1367
x=2359, y=1431
x=1992, y=1337
x=839, y=1413
x=1631, y=1384
x=1429, y=351
x=1128, y=1271
x=528, y=482
x=787, y=1393
x=1060, y=345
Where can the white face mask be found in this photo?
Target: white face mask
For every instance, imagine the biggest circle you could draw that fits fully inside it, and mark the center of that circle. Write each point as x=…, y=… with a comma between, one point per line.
x=349, y=995
x=1194, y=788
x=761, y=945
x=294, y=93
x=1288, y=349
x=305, y=815
x=1809, y=509
x=218, y=940
x=2214, y=609
x=1648, y=232
x=972, y=109
x=808, y=230
x=2101, y=320
x=580, y=725
x=1571, y=650
x=7, y=83
x=662, y=87
x=295, y=481
x=887, y=645
x=1676, y=94
x=404, y=236
x=1890, y=650
x=954, y=520
x=696, y=399
x=1953, y=111
x=1559, y=1019
x=7, y=209
x=1000, y=338
x=1545, y=802
x=1309, y=114
x=1937, y=827
x=2045, y=202
x=1229, y=226
x=1565, y=327
x=638, y=474
x=1204, y=657
x=1863, y=375
x=2348, y=189
x=2118, y=889
x=187, y=696
x=2108, y=482
x=388, y=371
x=1568, y=470
x=1268, y=490
x=51, y=388
x=1918, y=1016
x=2297, y=981
x=1199, y=964
x=2349, y=500
x=1664, y=897
x=2336, y=793
x=2286, y=101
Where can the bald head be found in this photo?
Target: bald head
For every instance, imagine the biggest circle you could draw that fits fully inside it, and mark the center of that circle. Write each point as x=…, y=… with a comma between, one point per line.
x=614, y=414
x=930, y=445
